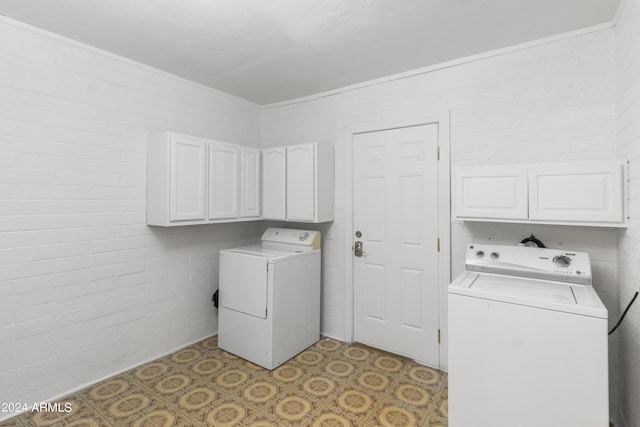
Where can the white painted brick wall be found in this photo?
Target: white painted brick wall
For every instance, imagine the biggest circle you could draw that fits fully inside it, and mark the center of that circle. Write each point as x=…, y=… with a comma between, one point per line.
x=627, y=64
x=86, y=288
x=550, y=102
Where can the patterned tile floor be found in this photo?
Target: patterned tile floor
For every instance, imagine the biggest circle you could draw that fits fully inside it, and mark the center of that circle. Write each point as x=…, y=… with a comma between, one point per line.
x=331, y=384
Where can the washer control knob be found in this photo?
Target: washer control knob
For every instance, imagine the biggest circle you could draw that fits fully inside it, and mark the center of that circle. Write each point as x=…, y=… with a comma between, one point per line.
x=562, y=261
x=495, y=255
x=303, y=236
x=480, y=254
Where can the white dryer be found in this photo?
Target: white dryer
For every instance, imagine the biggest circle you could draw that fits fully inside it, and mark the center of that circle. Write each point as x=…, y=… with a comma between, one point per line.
x=527, y=340
x=269, y=303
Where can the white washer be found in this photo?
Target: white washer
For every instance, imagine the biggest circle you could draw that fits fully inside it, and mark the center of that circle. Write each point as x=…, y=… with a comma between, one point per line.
x=269, y=304
x=527, y=340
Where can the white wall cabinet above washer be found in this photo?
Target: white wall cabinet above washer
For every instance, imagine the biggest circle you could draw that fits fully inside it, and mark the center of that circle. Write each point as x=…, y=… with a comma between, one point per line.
x=498, y=192
x=580, y=193
x=194, y=180
x=298, y=183
x=588, y=192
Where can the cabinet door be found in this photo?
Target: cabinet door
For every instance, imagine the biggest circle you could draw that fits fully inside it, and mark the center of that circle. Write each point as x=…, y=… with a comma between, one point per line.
x=187, y=179
x=274, y=183
x=249, y=182
x=587, y=192
x=300, y=182
x=491, y=192
x=223, y=181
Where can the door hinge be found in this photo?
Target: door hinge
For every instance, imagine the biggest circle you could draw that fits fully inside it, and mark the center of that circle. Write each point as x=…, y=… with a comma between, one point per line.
x=438, y=244
x=438, y=153
x=438, y=336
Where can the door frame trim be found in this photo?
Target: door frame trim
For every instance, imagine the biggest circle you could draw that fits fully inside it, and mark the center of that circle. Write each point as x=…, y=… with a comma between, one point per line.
x=444, y=218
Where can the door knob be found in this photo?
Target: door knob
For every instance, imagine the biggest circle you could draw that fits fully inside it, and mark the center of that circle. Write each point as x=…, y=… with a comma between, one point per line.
x=357, y=249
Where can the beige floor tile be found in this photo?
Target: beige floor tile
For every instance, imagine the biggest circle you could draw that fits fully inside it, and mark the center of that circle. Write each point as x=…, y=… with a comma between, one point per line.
x=331, y=384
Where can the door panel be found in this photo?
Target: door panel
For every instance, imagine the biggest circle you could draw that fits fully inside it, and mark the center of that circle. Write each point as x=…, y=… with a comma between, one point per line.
x=375, y=215
x=411, y=212
x=396, y=210
x=375, y=291
x=411, y=291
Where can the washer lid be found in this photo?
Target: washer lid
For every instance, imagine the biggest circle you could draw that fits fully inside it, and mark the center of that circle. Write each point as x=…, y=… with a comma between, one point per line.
x=525, y=288
x=545, y=294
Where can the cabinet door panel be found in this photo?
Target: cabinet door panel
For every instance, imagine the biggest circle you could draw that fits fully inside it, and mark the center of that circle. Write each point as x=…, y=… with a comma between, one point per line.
x=249, y=182
x=577, y=193
x=496, y=192
x=187, y=193
x=300, y=182
x=223, y=181
x=274, y=183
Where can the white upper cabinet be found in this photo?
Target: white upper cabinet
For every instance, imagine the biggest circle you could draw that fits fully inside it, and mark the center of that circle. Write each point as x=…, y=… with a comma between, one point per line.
x=249, y=182
x=188, y=163
x=298, y=183
x=223, y=180
x=495, y=192
x=577, y=192
x=200, y=181
x=581, y=193
x=274, y=183
x=194, y=180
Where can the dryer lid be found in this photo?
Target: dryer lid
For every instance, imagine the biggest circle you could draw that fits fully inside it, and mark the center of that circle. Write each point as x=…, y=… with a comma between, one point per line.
x=261, y=251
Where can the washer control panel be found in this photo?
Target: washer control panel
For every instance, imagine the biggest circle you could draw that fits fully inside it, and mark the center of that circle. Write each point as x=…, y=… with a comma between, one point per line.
x=532, y=262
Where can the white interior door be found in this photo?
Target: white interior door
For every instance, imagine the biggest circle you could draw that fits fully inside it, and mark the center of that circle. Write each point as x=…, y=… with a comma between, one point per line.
x=396, y=212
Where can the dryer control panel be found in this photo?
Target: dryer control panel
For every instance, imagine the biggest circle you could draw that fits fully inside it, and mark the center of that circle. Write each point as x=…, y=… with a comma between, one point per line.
x=308, y=239
x=536, y=263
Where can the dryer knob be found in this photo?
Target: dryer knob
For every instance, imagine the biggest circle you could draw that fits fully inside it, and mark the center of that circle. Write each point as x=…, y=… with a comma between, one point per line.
x=303, y=236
